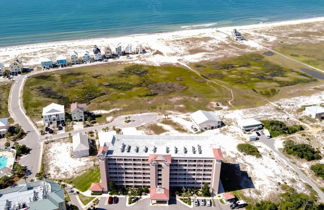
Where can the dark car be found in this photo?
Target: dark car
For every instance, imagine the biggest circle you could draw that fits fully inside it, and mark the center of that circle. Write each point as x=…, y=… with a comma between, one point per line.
x=116, y=199
x=110, y=200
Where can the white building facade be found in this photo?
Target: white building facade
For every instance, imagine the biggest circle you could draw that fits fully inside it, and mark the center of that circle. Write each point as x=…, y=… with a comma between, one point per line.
x=53, y=113
x=205, y=120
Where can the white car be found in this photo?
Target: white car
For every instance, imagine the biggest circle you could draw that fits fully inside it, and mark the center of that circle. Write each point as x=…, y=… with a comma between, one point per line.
x=196, y=203
x=208, y=203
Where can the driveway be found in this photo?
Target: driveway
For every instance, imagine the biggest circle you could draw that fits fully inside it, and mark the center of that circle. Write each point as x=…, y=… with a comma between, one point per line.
x=144, y=204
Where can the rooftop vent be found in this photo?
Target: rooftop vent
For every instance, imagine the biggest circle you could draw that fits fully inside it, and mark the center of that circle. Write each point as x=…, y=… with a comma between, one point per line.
x=185, y=150
x=175, y=150
x=199, y=149
x=145, y=149
x=122, y=148
x=154, y=149
x=128, y=148
x=136, y=149
x=193, y=150
x=167, y=149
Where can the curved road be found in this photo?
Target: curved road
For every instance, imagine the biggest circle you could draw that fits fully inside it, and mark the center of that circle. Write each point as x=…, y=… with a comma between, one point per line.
x=32, y=139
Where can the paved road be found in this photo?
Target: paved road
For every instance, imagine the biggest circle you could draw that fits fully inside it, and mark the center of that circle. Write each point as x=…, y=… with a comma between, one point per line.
x=144, y=204
x=136, y=120
x=32, y=139
x=270, y=144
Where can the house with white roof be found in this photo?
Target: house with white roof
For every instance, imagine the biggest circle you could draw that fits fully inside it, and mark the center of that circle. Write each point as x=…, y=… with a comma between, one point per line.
x=61, y=61
x=4, y=126
x=46, y=63
x=53, y=113
x=16, y=66
x=205, y=120
x=250, y=124
x=80, y=145
x=315, y=111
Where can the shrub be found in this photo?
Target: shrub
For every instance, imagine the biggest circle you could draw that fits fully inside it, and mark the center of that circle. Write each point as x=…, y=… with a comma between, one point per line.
x=205, y=190
x=21, y=149
x=249, y=149
x=318, y=169
x=277, y=128
x=303, y=151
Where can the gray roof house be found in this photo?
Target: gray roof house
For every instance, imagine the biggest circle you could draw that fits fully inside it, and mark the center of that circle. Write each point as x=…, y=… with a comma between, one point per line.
x=205, y=120
x=40, y=195
x=78, y=111
x=80, y=145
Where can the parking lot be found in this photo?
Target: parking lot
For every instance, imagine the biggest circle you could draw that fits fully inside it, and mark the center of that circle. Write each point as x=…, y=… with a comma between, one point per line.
x=145, y=204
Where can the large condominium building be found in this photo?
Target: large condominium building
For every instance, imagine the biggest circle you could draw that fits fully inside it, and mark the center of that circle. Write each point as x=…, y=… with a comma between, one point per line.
x=159, y=162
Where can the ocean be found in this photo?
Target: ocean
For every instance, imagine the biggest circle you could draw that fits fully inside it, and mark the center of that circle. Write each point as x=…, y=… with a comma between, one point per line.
x=35, y=21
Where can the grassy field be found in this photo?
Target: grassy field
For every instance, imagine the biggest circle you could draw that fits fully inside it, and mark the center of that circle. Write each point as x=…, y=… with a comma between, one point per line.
x=137, y=88
x=253, y=72
x=84, y=199
x=4, y=94
x=84, y=181
x=133, y=89
x=308, y=53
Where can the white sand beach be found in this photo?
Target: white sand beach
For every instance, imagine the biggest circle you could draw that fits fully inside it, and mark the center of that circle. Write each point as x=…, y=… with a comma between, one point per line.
x=186, y=45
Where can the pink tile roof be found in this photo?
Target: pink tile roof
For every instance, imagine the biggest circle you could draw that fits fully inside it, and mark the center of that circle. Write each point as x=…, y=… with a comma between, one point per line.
x=96, y=187
x=77, y=105
x=157, y=157
x=218, y=154
x=156, y=195
x=102, y=150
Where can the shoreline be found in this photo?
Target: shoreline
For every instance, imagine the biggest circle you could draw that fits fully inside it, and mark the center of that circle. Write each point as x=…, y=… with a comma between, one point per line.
x=149, y=40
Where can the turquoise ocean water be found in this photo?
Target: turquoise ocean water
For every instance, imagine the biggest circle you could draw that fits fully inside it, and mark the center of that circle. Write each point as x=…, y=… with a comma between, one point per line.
x=33, y=21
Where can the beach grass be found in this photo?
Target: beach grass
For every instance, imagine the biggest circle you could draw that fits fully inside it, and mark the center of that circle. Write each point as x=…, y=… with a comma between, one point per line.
x=4, y=95
x=253, y=72
x=133, y=89
x=309, y=53
x=85, y=199
x=84, y=181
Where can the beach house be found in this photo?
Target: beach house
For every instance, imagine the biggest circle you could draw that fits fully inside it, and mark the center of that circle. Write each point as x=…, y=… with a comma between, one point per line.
x=46, y=63
x=205, y=120
x=119, y=51
x=16, y=67
x=86, y=58
x=4, y=126
x=80, y=145
x=1, y=69
x=53, y=113
x=74, y=56
x=61, y=61
x=315, y=111
x=78, y=111
x=38, y=195
x=128, y=49
x=97, y=53
x=250, y=124
x=108, y=52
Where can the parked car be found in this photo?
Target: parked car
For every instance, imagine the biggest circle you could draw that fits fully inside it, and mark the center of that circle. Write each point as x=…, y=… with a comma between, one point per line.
x=110, y=200
x=258, y=133
x=116, y=199
x=196, y=203
x=208, y=203
x=202, y=202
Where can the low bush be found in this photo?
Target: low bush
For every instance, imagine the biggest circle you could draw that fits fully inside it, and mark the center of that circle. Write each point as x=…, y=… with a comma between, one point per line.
x=249, y=149
x=318, y=169
x=277, y=128
x=303, y=151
